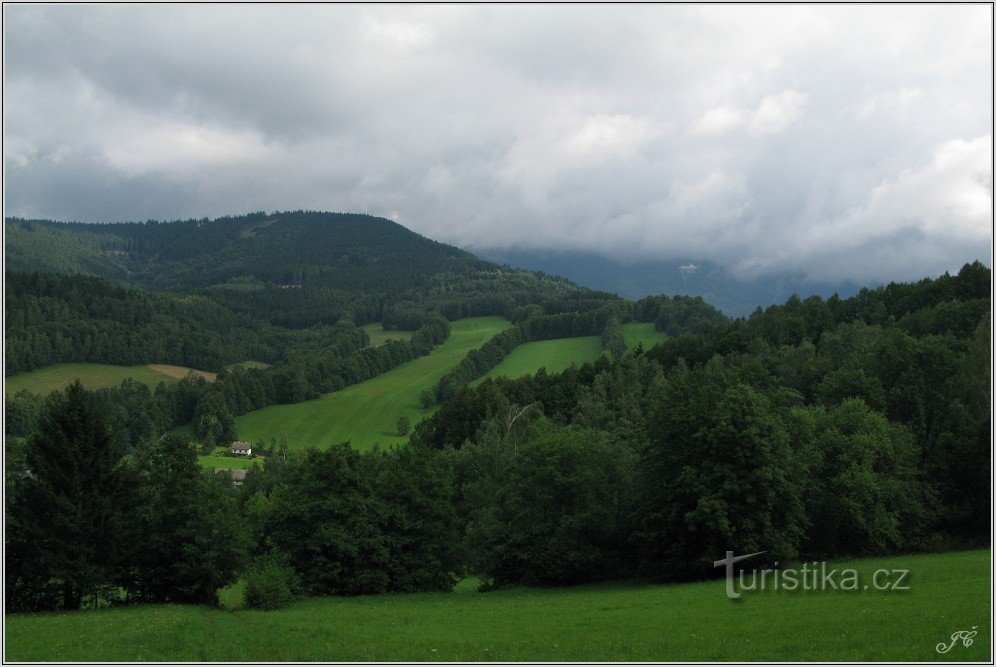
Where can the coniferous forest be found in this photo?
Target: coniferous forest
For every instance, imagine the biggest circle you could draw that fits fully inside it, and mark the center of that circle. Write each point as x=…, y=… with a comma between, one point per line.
x=816, y=428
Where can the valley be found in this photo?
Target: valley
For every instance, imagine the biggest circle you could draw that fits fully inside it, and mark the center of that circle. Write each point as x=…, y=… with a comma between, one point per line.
x=422, y=493
x=367, y=413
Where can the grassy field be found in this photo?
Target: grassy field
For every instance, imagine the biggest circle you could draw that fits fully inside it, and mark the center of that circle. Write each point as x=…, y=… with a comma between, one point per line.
x=180, y=372
x=557, y=354
x=642, y=332
x=93, y=376
x=221, y=461
x=378, y=335
x=554, y=355
x=367, y=413
x=689, y=622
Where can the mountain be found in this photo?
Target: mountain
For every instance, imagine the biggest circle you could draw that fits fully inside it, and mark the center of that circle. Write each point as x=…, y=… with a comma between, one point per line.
x=638, y=279
x=292, y=269
x=348, y=251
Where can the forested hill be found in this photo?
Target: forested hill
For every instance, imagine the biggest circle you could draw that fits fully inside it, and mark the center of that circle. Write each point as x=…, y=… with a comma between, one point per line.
x=348, y=251
x=293, y=269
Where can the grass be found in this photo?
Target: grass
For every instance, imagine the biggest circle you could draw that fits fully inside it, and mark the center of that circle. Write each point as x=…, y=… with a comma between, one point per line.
x=555, y=355
x=180, y=372
x=642, y=332
x=617, y=622
x=558, y=354
x=218, y=461
x=93, y=376
x=380, y=335
x=367, y=413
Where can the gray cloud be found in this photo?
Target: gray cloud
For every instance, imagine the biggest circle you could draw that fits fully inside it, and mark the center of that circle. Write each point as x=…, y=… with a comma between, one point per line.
x=841, y=142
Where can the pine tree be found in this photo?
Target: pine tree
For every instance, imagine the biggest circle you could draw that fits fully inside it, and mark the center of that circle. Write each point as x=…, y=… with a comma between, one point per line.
x=65, y=528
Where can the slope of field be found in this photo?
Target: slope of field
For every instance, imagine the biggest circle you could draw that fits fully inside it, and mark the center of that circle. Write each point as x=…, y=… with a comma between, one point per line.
x=687, y=622
x=557, y=354
x=180, y=372
x=367, y=413
x=380, y=335
x=93, y=376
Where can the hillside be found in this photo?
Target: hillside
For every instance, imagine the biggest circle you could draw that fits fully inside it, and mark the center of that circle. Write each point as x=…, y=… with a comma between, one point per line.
x=292, y=269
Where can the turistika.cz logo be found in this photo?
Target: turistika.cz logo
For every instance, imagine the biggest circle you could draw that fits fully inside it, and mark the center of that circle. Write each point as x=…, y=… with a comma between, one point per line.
x=813, y=576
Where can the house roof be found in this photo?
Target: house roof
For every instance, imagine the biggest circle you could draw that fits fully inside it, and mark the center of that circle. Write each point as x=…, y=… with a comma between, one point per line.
x=237, y=474
x=240, y=445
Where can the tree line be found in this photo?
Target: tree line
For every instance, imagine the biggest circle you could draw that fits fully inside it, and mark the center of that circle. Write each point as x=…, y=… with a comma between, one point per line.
x=814, y=429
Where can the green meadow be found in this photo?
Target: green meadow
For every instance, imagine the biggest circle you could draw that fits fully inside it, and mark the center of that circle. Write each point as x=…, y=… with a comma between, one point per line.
x=93, y=376
x=380, y=335
x=367, y=413
x=555, y=355
x=558, y=354
x=642, y=332
x=221, y=461
x=611, y=622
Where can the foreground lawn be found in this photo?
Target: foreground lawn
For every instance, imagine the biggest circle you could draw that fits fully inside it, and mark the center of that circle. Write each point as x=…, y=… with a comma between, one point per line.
x=689, y=622
x=558, y=354
x=367, y=413
x=93, y=376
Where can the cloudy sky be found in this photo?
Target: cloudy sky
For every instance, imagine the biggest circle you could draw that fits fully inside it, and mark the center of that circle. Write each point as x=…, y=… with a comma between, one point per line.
x=841, y=142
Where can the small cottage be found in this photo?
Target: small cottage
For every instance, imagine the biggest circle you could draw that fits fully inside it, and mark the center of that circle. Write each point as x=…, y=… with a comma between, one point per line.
x=240, y=449
x=238, y=475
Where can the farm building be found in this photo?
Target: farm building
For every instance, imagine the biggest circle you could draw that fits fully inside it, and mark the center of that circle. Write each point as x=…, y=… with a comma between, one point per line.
x=240, y=449
x=238, y=475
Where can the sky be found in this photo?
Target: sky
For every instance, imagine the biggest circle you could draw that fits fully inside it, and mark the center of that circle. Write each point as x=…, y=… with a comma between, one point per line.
x=850, y=142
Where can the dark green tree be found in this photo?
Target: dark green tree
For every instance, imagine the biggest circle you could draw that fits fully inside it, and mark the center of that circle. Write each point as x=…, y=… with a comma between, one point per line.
x=67, y=525
x=192, y=541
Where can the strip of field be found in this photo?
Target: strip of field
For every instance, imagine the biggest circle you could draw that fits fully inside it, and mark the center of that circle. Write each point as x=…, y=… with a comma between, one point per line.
x=558, y=354
x=367, y=413
x=687, y=622
x=554, y=355
x=180, y=372
x=220, y=461
x=93, y=376
x=380, y=335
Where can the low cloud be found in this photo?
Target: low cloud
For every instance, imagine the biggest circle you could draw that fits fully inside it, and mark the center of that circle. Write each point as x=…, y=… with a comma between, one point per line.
x=841, y=142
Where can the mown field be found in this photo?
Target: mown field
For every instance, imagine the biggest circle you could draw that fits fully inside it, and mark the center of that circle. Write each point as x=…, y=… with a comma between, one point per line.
x=688, y=622
x=558, y=354
x=367, y=413
x=93, y=376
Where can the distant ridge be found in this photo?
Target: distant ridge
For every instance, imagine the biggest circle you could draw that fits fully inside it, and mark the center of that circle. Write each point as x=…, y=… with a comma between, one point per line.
x=635, y=280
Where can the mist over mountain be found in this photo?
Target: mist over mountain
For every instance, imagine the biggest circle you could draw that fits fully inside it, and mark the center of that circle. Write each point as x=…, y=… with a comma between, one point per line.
x=634, y=280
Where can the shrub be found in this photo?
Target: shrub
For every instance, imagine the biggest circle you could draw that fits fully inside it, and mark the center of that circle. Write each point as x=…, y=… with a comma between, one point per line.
x=270, y=584
x=404, y=425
